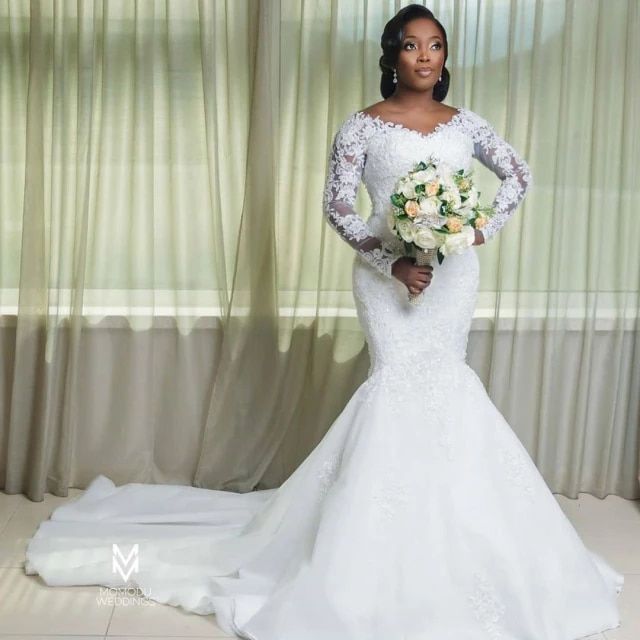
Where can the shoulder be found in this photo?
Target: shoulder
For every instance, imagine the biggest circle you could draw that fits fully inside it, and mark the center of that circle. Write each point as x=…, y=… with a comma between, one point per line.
x=474, y=125
x=472, y=117
x=375, y=110
x=368, y=119
x=355, y=130
x=448, y=111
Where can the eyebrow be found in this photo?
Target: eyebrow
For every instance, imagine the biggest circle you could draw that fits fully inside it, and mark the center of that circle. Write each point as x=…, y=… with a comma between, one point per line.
x=416, y=37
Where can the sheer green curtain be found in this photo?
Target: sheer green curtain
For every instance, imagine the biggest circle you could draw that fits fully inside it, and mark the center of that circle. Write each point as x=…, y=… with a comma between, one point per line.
x=174, y=307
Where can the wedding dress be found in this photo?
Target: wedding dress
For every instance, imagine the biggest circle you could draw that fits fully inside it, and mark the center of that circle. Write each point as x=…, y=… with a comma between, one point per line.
x=419, y=515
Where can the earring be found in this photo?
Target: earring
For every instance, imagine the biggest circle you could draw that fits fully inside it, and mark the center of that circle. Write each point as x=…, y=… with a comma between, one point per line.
x=395, y=77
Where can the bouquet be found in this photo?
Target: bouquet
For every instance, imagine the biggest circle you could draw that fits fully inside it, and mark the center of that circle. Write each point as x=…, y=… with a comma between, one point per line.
x=435, y=212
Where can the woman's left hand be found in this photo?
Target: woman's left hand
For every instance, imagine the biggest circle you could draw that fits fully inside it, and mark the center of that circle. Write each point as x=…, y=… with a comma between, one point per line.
x=479, y=237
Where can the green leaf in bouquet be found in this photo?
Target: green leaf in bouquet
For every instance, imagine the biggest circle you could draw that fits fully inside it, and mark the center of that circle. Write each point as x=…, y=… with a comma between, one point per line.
x=486, y=210
x=420, y=188
x=398, y=200
x=421, y=166
x=440, y=256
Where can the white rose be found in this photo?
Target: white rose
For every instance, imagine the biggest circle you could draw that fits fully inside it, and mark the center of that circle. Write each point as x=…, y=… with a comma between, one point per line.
x=425, y=175
x=458, y=242
x=472, y=199
x=429, y=206
x=425, y=238
x=405, y=229
x=408, y=189
x=446, y=176
x=452, y=197
x=466, y=212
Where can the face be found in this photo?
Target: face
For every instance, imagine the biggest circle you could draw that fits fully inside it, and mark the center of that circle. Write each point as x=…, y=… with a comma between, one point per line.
x=422, y=48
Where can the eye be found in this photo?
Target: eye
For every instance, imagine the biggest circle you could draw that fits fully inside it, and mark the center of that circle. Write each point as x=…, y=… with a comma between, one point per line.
x=435, y=44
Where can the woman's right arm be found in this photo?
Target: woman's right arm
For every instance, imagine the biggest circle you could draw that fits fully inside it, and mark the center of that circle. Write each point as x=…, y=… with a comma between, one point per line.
x=344, y=171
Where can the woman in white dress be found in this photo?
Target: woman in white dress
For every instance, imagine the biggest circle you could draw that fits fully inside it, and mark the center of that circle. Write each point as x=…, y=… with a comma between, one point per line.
x=420, y=515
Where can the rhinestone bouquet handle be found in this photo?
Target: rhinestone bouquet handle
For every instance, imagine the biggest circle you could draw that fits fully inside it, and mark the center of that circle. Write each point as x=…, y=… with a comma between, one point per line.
x=422, y=258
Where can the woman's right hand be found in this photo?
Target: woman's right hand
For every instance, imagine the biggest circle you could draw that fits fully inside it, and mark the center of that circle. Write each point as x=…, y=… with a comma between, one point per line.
x=415, y=278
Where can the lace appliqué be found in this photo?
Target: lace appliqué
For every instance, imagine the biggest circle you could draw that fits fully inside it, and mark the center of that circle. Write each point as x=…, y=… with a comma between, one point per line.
x=487, y=606
x=351, y=226
x=381, y=258
x=430, y=374
x=517, y=469
x=344, y=172
x=327, y=475
x=390, y=497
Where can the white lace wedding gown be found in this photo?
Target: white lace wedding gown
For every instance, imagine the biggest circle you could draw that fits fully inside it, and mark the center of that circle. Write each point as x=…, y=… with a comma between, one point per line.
x=419, y=516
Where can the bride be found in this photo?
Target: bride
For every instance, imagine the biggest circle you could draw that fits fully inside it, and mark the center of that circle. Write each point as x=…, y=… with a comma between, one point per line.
x=420, y=515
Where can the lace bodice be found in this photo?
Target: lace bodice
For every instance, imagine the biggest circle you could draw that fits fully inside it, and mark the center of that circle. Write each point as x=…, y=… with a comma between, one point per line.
x=379, y=152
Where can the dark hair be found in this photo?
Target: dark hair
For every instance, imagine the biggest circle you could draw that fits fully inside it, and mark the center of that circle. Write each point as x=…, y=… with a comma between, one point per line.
x=392, y=39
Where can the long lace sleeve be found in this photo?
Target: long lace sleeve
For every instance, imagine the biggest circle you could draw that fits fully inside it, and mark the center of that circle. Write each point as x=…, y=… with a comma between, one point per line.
x=499, y=156
x=344, y=171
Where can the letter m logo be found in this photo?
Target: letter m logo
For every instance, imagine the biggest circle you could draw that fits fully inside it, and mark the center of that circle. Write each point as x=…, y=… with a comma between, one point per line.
x=125, y=566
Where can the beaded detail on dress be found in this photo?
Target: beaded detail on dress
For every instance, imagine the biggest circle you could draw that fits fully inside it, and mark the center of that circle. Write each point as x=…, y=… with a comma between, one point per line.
x=390, y=497
x=327, y=475
x=517, y=469
x=487, y=606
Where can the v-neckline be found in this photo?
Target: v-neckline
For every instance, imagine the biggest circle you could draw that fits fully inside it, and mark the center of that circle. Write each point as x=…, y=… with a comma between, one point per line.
x=421, y=134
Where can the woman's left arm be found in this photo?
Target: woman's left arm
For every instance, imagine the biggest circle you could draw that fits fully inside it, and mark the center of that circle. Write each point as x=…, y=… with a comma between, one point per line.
x=499, y=156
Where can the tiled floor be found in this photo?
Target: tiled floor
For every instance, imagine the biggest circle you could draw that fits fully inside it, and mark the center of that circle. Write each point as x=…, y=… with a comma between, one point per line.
x=30, y=610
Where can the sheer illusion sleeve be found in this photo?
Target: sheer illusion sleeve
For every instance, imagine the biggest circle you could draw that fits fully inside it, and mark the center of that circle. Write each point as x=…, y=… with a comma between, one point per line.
x=499, y=156
x=344, y=171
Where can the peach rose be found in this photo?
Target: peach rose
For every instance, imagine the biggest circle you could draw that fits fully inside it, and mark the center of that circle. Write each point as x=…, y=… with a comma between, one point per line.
x=432, y=188
x=412, y=208
x=454, y=225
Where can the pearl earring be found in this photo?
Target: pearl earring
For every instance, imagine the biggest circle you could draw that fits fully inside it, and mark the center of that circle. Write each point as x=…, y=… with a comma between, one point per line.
x=395, y=77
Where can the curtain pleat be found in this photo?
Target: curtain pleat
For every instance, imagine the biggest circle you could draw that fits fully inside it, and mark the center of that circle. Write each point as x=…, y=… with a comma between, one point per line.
x=174, y=307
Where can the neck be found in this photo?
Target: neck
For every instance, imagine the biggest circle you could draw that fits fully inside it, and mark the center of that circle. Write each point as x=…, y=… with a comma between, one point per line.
x=409, y=100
